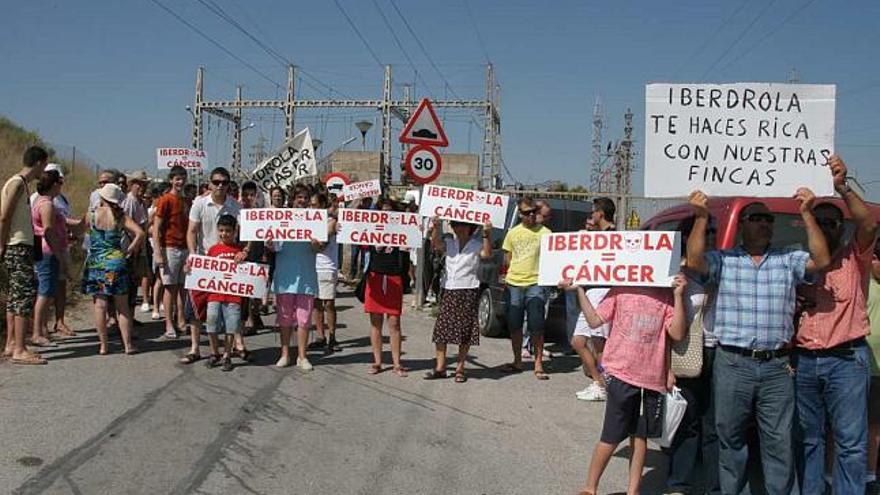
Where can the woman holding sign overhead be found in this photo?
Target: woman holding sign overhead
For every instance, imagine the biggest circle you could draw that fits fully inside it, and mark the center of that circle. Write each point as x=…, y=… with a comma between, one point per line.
x=106, y=272
x=457, y=321
x=383, y=296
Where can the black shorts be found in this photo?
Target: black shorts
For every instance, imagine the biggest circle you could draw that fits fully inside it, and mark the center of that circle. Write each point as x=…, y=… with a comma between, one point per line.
x=625, y=415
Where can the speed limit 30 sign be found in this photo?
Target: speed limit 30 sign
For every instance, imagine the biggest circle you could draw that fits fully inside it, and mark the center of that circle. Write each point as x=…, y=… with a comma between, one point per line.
x=423, y=164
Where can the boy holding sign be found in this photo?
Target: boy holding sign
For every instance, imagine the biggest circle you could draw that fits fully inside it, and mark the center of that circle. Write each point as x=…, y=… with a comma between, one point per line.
x=224, y=311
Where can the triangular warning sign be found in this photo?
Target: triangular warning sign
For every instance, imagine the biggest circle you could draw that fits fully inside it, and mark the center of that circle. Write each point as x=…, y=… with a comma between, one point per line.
x=424, y=127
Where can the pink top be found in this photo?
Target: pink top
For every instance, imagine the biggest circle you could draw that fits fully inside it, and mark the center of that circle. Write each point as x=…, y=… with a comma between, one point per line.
x=836, y=302
x=636, y=348
x=59, y=225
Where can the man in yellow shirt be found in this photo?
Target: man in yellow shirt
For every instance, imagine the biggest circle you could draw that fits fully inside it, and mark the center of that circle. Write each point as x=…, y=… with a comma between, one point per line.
x=522, y=248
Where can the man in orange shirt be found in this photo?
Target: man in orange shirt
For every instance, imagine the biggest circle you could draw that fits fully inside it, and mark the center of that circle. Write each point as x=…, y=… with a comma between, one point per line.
x=169, y=237
x=832, y=359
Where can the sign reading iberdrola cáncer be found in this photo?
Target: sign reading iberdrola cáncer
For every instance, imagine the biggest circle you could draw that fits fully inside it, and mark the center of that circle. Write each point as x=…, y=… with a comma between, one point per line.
x=464, y=205
x=223, y=276
x=183, y=157
x=379, y=228
x=633, y=258
x=283, y=224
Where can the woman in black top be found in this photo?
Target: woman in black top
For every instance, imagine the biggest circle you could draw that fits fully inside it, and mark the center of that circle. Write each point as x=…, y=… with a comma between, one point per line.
x=383, y=296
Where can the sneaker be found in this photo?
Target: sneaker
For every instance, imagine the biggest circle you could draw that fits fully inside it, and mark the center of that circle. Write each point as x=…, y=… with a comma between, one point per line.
x=172, y=335
x=333, y=345
x=145, y=308
x=156, y=316
x=226, y=363
x=162, y=308
x=303, y=364
x=547, y=354
x=584, y=392
x=593, y=393
x=284, y=362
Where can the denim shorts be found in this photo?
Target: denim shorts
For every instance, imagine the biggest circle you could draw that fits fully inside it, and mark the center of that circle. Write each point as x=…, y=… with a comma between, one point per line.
x=528, y=302
x=223, y=318
x=47, y=275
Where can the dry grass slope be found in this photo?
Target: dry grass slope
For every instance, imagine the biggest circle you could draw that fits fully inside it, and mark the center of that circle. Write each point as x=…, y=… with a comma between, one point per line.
x=78, y=181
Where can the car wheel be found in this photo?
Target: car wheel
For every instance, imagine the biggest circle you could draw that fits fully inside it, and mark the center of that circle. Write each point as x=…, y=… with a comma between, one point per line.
x=490, y=326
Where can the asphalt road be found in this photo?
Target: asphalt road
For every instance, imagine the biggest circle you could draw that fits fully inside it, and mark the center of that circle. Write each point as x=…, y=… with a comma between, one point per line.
x=89, y=424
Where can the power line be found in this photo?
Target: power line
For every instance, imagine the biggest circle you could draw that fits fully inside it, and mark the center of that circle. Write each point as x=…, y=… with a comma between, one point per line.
x=358, y=33
x=214, y=42
x=400, y=45
x=470, y=14
x=280, y=58
x=738, y=38
x=768, y=34
x=702, y=46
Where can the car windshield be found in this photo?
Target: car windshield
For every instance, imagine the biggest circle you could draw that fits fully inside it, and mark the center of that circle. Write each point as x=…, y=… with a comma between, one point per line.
x=789, y=232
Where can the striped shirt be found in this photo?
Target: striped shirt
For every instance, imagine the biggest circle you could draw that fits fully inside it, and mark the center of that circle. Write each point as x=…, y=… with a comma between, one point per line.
x=755, y=305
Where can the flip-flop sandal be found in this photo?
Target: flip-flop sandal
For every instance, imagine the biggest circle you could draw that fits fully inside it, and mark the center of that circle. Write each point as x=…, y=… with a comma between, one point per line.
x=460, y=378
x=540, y=375
x=374, y=369
x=190, y=358
x=132, y=351
x=510, y=369
x=31, y=359
x=435, y=375
x=243, y=354
x=400, y=371
x=43, y=343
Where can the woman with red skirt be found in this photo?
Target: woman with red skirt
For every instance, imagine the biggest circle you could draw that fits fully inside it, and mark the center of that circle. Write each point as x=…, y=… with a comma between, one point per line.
x=383, y=297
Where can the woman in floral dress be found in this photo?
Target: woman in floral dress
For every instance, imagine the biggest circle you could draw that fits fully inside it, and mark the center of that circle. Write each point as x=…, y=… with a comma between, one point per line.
x=106, y=274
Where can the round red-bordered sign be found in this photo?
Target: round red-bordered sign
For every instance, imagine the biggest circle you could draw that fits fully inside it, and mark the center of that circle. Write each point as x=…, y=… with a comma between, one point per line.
x=335, y=182
x=423, y=164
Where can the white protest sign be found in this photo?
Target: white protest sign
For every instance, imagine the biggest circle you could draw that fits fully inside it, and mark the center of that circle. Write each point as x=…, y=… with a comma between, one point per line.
x=635, y=258
x=464, y=205
x=364, y=189
x=752, y=139
x=283, y=224
x=288, y=164
x=186, y=158
x=379, y=228
x=223, y=276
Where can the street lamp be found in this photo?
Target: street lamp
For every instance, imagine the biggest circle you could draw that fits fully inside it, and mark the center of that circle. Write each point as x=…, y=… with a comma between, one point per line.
x=364, y=126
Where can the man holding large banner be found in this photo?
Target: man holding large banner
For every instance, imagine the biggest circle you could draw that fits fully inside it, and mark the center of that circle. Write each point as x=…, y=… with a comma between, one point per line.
x=287, y=165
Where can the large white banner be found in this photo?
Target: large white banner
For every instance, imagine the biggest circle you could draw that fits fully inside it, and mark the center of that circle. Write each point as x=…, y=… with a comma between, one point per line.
x=379, y=228
x=288, y=164
x=464, y=205
x=186, y=158
x=222, y=276
x=283, y=224
x=635, y=258
x=364, y=189
x=744, y=139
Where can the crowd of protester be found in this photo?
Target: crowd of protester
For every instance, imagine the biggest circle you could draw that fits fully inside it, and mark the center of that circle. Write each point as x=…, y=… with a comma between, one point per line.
x=785, y=334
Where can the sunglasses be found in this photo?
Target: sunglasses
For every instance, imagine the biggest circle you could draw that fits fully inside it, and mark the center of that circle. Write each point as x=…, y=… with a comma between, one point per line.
x=527, y=213
x=218, y=182
x=760, y=218
x=104, y=182
x=828, y=222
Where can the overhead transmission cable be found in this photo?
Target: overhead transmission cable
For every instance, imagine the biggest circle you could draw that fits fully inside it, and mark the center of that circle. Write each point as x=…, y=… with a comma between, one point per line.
x=401, y=47
x=768, y=34
x=739, y=37
x=280, y=58
x=470, y=14
x=214, y=42
x=714, y=34
x=359, y=35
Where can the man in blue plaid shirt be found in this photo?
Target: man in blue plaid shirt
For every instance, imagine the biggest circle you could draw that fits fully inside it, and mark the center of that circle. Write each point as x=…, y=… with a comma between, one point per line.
x=754, y=323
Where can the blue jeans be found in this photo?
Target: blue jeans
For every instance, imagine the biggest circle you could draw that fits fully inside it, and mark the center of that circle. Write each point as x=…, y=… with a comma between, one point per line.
x=747, y=389
x=696, y=433
x=526, y=302
x=834, y=390
x=223, y=318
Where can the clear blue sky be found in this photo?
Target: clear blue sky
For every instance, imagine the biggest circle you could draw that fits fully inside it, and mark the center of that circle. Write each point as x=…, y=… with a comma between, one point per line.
x=113, y=77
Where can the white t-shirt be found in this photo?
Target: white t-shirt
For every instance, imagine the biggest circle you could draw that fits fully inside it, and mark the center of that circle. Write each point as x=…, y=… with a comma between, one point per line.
x=462, y=265
x=206, y=212
x=327, y=260
x=582, y=328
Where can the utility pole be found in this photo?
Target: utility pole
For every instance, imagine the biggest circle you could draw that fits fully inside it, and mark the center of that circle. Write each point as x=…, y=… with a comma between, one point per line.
x=490, y=172
x=597, y=171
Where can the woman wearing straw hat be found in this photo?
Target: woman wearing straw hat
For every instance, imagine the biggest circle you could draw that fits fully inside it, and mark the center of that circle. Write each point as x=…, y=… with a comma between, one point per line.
x=106, y=273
